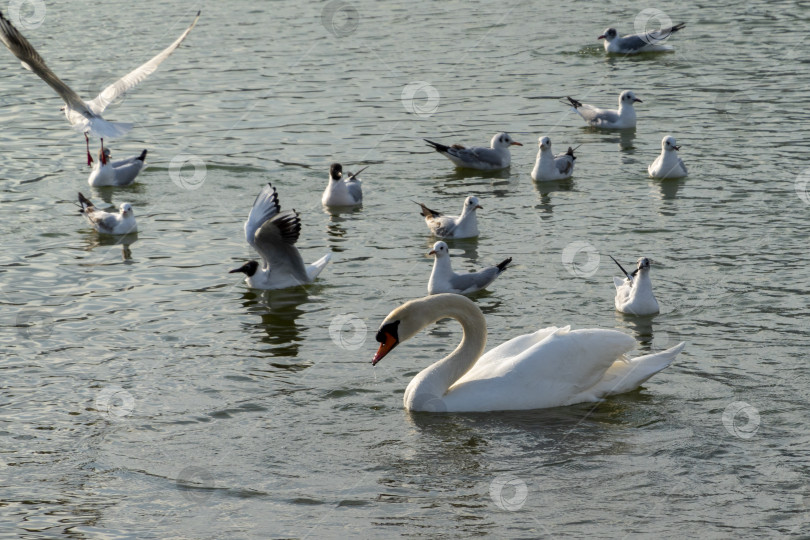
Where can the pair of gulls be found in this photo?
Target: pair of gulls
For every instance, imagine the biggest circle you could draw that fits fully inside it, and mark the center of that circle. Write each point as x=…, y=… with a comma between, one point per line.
x=561, y=166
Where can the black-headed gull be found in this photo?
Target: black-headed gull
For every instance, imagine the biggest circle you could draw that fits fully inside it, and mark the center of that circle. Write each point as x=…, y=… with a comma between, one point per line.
x=624, y=118
x=463, y=226
x=342, y=191
x=107, y=223
x=634, y=294
x=668, y=164
x=637, y=43
x=273, y=234
x=115, y=173
x=85, y=116
x=444, y=280
x=496, y=157
x=551, y=167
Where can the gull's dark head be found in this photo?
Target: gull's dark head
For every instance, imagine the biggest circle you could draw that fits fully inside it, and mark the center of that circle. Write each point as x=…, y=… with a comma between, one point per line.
x=336, y=171
x=249, y=268
x=610, y=34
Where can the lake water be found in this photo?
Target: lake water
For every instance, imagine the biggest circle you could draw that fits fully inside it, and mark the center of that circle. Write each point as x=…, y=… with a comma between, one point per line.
x=146, y=393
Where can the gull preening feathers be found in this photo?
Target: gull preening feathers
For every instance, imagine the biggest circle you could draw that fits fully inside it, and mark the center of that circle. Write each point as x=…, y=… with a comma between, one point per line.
x=494, y=158
x=668, y=164
x=444, y=280
x=634, y=294
x=115, y=173
x=638, y=43
x=551, y=167
x=273, y=234
x=107, y=223
x=83, y=116
x=623, y=118
x=463, y=226
x=342, y=191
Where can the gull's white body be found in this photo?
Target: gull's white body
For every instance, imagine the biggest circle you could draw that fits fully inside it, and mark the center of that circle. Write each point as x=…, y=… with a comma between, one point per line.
x=108, y=223
x=116, y=173
x=273, y=235
x=84, y=116
x=342, y=191
x=444, y=280
x=668, y=164
x=463, y=226
x=551, y=167
x=494, y=158
x=549, y=368
x=622, y=118
x=636, y=297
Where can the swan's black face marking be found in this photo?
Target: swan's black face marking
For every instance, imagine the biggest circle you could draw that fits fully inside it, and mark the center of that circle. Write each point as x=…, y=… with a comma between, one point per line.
x=249, y=268
x=336, y=171
x=388, y=338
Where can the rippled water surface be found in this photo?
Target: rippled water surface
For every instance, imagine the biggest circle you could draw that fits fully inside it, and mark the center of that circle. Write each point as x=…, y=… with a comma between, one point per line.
x=146, y=393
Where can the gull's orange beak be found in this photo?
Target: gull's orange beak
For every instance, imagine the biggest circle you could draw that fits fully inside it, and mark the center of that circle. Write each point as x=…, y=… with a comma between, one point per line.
x=385, y=348
x=601, y=37
x=432, y=252
x=515, y=143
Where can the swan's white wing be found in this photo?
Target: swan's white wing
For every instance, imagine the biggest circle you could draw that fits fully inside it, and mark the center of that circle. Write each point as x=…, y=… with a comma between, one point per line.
x=30, y=58
x=506, y=350
x=626, y=375
x=264, y=207
x=275, y=241
x=128, y=81
x=555, y=371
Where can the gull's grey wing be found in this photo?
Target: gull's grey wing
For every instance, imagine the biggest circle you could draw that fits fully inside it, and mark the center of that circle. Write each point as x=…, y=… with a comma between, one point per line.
x=275, y=241
x=634, y=42
x=126, y=173
x=595, y=114
x=564, y=163
x=355, y=190
x=128, y=81
x=487, y=155
x=104, y=221
x=265, y=207
x=30, y=58
x=443, y=226
x=682, y=165
x=474, y=281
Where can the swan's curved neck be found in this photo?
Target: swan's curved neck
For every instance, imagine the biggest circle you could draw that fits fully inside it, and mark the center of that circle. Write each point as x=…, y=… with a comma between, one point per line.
x=433, y=382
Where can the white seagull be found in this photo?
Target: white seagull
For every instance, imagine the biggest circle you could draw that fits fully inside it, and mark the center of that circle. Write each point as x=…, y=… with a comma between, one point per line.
x=444, y=280
x=273, y=234
x=106, y=223
x=668, y=164
x=634, y=293
x=494, y=158
x=623, y=118
x=340, y=191
x=551, y=167
x=115, y=173
x=463, y=226
x=638, y=43
x=85, y=116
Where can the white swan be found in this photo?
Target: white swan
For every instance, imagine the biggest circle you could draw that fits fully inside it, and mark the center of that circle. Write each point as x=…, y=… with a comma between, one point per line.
x=549, y=368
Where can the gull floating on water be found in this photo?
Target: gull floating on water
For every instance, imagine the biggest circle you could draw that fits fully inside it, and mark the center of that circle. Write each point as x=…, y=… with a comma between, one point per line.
x=668, y=164
x=85, y=116
x=638, y=43
x=273, y=234
x=116, y=173
x=463, y=226
x=106, y=223
x=340, y=191
x=634, y=293
x=444, y=280
x=623, y=118
x=551, y=167
x=495, y=157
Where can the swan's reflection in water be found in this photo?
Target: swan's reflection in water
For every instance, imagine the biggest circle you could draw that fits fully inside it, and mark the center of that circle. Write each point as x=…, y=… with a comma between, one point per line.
x=278, y=312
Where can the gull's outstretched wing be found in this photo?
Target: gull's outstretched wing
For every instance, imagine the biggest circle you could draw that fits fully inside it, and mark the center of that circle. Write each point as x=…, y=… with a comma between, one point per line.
x=275, y=242
x=131, y=79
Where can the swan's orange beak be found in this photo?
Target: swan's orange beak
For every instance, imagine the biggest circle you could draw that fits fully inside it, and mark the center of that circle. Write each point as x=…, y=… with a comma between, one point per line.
x=385, y=348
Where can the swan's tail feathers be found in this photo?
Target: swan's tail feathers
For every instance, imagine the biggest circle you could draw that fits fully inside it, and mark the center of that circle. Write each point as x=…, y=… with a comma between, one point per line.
x=317, y=267
x=502, y=266
x=626, y=375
